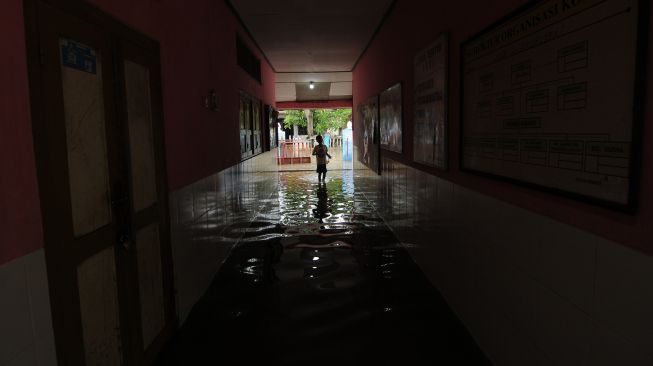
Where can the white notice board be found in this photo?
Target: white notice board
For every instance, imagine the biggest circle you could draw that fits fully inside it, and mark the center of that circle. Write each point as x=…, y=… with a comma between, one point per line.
x=549, y=99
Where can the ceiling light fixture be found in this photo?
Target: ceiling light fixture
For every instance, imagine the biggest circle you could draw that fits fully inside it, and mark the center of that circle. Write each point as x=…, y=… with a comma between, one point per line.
x=311, y=85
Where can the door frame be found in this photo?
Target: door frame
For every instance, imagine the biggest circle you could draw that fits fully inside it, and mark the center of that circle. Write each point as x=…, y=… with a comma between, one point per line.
x=252, y=123
x=129, y=50
x=51, y=222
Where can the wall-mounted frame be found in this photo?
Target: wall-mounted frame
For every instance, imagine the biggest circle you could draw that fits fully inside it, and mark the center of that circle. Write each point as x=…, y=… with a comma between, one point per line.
x=271, y=127
x=367, y=136
x=431, y=100
x=552, y=96
x=250, y=120
x=390, y=116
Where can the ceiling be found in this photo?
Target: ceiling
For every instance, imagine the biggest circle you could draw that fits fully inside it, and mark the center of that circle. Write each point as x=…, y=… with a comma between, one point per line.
x=312, y=35
x=292, y=87
x=312, y=40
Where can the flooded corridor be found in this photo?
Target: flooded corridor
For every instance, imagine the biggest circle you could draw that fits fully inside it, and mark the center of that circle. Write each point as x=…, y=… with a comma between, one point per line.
x=317, y=278
x=489, y=195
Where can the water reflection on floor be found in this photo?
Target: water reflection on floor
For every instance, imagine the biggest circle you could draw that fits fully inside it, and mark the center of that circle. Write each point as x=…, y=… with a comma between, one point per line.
x=318, y=279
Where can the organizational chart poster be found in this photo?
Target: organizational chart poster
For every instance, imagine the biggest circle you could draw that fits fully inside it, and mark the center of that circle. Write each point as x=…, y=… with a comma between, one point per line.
x=430, y=97
x=548, y=98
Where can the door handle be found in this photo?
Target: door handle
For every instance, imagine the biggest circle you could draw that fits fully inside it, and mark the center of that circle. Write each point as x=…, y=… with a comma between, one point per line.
x=123, y=240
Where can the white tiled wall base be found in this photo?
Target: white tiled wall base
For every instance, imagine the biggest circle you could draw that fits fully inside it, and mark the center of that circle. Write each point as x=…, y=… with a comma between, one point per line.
x=533, y=291
x=201, y=215
x=26, y=336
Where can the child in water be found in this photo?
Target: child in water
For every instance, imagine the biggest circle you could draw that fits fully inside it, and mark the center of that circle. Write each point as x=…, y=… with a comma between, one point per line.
x=321, y=153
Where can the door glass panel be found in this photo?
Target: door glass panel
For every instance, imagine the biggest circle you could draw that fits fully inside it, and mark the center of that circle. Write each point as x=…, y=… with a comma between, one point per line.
x=257, y=115
x=141, y=143
x=243, y=132
x=150, y=280
x=98, y=300
x=81, y=72
x=242, y=113
x=248, y=126
x=248, y=119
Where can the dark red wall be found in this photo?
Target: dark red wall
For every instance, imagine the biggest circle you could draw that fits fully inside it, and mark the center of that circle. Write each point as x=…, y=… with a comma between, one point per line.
x=330, y=104
x=198, y=48
x=20, y=216
x=411, y=26
x=198, y=51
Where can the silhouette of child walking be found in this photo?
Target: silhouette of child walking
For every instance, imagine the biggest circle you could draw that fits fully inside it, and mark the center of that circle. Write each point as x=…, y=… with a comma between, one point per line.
x=321, y=153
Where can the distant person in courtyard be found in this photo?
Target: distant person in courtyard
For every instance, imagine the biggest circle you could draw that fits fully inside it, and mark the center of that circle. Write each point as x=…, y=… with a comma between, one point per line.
x=321, y=153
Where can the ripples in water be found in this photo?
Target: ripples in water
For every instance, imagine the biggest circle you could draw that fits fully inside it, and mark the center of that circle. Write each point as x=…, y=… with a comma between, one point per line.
x=318, y=279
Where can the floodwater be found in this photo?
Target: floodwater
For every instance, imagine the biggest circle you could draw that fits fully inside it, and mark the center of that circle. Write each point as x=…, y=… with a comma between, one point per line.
x=319, y=279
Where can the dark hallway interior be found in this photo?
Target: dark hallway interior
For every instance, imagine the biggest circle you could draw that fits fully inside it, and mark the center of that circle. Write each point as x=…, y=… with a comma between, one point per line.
x=488, y=195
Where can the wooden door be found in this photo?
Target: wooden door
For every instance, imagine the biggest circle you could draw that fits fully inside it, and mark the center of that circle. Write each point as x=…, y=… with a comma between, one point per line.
x=243, y=129
x=272, y=126
x=256, y=120
x=150, y=262
x=103, y=203
x=249, y=141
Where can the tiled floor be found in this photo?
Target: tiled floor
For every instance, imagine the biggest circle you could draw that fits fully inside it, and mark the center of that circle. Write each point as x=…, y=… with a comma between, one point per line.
x=319, y=279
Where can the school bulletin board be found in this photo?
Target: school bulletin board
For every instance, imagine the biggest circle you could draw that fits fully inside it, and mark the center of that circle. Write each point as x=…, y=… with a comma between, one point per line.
x=550, y=99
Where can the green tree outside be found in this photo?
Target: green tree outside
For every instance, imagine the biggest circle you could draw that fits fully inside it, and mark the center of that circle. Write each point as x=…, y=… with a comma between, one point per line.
x=323, y=119
x=330, y=119
x=294, y=117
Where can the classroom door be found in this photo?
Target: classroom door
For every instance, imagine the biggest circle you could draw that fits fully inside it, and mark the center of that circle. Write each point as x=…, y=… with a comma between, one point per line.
x=97, y=123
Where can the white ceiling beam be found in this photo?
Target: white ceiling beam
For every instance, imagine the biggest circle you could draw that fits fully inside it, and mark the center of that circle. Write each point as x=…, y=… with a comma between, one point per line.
x=285, y=92
x=321, y=77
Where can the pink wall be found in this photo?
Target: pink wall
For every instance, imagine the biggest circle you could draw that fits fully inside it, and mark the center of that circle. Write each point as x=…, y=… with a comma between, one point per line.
x=414, y=24
x=20, y=215
x=198, y=51
x=198, y=48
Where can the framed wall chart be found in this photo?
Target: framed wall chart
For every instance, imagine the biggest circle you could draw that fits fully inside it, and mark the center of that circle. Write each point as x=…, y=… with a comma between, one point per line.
x=550, y=98
x=430, y=137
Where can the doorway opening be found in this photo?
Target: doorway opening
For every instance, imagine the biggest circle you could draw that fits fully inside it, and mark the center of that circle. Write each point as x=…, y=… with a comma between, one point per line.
x=297, y=132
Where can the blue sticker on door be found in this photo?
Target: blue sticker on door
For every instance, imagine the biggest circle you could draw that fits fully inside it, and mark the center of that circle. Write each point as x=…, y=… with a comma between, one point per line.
x=78, y=56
